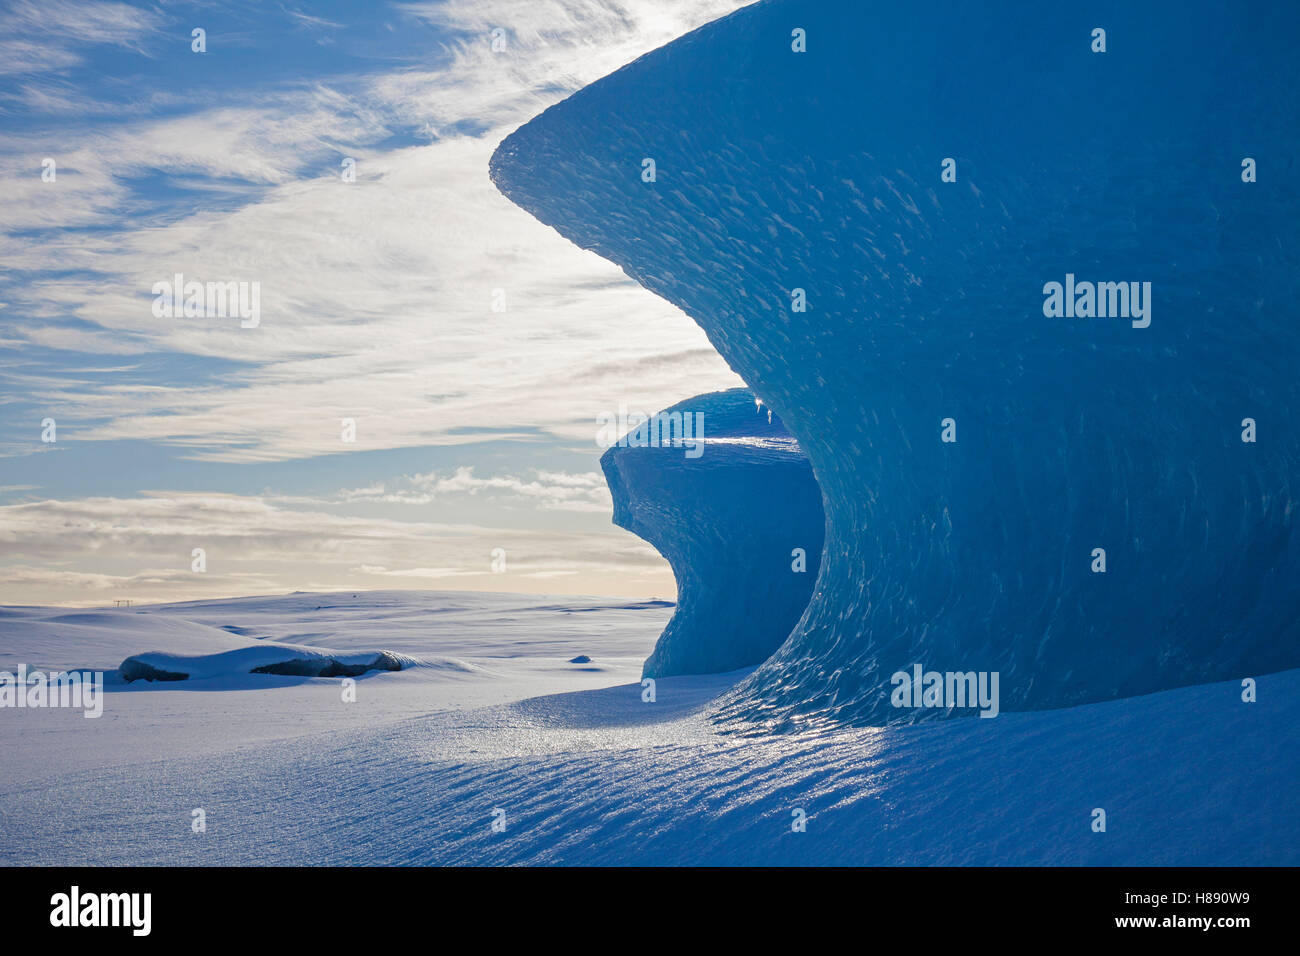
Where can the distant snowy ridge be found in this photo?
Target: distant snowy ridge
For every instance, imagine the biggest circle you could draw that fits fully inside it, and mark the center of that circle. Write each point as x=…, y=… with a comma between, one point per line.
x=977, y=450
x=742, y=526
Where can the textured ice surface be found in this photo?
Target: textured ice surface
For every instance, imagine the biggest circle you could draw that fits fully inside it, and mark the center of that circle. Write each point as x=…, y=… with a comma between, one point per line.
x=821, y=170
x=728, y=521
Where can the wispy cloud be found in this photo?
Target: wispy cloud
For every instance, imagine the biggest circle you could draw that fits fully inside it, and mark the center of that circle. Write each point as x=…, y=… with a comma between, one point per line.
x=380, y=287
x=416, y=301
x=36, y=37
x=257, y=545
x=559, y=491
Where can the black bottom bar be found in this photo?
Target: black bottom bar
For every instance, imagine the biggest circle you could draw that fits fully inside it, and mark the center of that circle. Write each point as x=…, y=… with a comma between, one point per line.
x=928, y=905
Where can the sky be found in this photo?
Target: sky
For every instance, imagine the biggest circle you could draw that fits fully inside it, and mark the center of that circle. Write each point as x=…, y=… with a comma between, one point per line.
x=470, y=348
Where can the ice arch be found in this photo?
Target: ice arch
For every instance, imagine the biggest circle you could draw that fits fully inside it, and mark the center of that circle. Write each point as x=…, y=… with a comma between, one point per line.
x=729, y=518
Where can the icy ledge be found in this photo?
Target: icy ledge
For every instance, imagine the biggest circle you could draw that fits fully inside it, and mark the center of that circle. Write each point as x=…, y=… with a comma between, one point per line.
x=799, y=213
x=739, y=517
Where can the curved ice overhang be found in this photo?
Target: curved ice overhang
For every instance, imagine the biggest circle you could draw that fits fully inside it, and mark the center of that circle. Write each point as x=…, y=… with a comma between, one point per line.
x=741, y=524
x=821, y=171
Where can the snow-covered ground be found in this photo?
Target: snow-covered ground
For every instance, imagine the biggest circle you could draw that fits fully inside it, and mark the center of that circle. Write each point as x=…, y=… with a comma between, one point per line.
x=497, y=718
x=472, y=649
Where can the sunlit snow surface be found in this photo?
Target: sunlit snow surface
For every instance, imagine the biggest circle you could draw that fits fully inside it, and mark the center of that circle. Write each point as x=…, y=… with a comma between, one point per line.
x=585, y=770
x=470, y=649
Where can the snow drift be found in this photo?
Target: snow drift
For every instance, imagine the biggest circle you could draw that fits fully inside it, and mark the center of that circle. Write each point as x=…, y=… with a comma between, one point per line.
x=741, y=524
x=817, y=178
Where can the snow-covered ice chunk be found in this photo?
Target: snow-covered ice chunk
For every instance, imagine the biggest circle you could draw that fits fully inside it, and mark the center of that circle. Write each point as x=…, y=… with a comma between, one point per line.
x=278, y=659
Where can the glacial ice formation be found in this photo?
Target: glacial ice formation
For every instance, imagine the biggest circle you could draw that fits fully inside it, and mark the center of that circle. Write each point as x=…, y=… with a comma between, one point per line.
x=778, y=171
x=741, y=524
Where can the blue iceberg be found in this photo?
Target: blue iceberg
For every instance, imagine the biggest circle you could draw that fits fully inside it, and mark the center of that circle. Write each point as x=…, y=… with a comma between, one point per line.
x=739, y=519
x=1023, y=285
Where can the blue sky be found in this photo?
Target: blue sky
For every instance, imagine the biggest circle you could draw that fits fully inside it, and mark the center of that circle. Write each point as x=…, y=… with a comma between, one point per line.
x=475, y=428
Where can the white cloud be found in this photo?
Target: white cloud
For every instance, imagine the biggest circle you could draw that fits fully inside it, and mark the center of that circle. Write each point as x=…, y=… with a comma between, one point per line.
x=376, y=295
x=39, y=36
x=90, y=22
x=561, y=491
x=552, y=490
x=376, y=306
x=141, y=548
